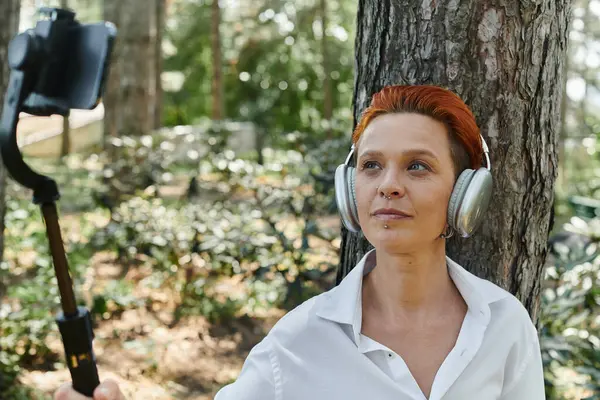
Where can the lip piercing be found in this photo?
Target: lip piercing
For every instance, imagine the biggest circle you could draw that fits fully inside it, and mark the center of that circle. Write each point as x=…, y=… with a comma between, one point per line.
x=387, y=198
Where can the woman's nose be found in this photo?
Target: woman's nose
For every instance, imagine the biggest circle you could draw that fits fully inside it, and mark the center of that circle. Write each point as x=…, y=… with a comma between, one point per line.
x=389, y=194
x=391, y=187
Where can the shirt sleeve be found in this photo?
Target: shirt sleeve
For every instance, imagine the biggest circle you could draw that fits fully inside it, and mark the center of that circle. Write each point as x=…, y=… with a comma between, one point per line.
x=529, y=376
x=258, y=377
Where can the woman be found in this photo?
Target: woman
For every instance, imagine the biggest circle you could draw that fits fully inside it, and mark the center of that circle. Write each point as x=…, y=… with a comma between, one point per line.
x=407, y=322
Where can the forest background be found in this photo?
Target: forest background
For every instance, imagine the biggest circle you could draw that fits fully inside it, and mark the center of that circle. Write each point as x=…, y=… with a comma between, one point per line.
x=197, y=200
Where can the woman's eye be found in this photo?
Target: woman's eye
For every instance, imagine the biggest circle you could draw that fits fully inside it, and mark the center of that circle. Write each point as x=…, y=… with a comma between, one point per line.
x=369, y=164
x=418, y=166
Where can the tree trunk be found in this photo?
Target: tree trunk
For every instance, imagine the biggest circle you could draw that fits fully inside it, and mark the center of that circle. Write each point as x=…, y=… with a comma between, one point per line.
x=66, y=131
x=158, y=61
x=217, y=67
x=9, y=25
x=66, y=140
x=327, y=93
x=130, y=92
x=112, y=97
x=505, y=59
x=137, y=77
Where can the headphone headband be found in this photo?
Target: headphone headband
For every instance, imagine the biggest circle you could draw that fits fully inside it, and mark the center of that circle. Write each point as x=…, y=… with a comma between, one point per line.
x=486, y=153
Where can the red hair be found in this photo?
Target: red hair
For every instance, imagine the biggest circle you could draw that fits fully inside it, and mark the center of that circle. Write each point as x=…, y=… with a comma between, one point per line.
x=435, y=102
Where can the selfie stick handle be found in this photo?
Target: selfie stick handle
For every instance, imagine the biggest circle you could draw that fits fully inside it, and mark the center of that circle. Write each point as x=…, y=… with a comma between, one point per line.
x=74, y=322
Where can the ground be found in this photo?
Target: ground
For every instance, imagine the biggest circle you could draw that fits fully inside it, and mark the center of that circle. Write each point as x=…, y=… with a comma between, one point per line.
x=150, y=355
x=152, y=359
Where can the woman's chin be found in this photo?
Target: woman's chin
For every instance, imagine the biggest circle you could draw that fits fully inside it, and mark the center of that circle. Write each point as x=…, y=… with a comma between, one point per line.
x=395, y=238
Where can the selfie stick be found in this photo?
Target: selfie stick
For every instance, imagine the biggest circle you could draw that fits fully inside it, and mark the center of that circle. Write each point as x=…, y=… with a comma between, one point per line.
x=74, y=322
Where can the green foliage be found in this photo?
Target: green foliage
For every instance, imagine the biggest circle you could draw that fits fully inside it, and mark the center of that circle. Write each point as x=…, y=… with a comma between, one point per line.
x=115, y=298
x=571, y=306
x=29, y=292
x=25, y=319
x=132, y=165
x=190, y=34
x=580, y=135
x=273, y=65
x=233, y=234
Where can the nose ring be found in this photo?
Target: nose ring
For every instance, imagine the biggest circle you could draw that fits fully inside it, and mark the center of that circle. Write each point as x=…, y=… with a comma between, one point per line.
x=387, y=197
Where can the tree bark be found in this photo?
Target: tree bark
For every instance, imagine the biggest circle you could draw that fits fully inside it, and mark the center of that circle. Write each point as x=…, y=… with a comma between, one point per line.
x=66, y=139
x=112, y=98
x=217, y=65
x=137, y=77
x=9, y=25
x=66, y=131
x=505, y=59
x=158, y=61
x=327, y=92
x=129, y=100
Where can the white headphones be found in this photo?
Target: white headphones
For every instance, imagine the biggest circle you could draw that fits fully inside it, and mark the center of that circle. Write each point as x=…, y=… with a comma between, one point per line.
x=468, y=203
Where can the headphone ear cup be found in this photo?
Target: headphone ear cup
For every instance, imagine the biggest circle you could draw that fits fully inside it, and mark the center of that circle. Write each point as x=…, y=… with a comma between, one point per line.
x=345, y=197
x=352, y=202
x=458, y=193
x=471, y=200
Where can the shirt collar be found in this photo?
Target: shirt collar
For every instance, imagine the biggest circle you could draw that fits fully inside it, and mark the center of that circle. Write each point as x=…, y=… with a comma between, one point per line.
x=343, y=304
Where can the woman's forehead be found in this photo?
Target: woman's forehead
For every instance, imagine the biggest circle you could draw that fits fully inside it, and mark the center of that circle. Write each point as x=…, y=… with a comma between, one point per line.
x=403, y=132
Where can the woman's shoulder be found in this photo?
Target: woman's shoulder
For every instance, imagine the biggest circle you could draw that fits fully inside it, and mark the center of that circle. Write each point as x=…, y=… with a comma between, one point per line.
x=502, y=303
x=513, y=335
x=509, y=317
x=297, y=322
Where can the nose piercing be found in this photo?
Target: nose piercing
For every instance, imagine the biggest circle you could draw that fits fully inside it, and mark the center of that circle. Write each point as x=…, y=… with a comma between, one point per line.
x=385, y=226
x=387, y=197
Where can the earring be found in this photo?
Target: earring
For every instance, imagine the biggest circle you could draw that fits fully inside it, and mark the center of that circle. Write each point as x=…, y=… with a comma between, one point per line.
x=448, y=233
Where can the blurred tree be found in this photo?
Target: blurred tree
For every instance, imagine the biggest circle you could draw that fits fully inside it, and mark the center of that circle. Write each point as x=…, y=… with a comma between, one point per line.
x=9, y=26
x=273, y=66
x=217, y=65
x=112, y=10
x=328, y=95
x=188, y=33
x=130, y=98
x=161, y=6
x=506, y=61
x=580, y=139
x=282, y=69
x=66, y=142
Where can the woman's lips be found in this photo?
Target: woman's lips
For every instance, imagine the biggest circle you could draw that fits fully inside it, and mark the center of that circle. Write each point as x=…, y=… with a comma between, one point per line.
x=390, y=217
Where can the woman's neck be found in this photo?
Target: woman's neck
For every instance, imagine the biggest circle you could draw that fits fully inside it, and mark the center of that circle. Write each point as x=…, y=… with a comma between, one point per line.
x=413, y=287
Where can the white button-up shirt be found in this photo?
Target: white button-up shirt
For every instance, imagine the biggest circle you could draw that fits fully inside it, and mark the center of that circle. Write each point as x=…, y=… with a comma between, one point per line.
x=317, y=351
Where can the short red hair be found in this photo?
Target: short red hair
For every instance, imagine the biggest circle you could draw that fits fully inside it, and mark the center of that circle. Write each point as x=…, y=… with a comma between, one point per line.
x=435, y=102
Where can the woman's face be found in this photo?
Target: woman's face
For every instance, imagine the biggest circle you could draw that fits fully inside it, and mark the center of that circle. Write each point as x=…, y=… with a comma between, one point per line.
x=405, y=157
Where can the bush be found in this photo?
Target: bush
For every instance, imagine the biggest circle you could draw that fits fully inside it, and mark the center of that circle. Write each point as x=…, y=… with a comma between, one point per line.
x=570, y=335
x=29, y=291
x=26, y=318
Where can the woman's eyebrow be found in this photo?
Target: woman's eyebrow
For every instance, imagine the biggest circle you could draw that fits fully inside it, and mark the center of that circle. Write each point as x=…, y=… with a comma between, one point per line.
x=420, y=152
x=406, y=153
x=371, y=153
